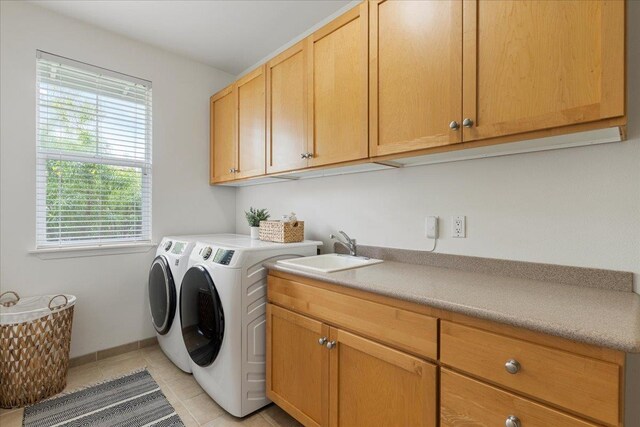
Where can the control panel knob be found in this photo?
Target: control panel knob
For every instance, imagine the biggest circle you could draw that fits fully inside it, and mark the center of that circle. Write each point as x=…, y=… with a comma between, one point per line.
x=206, y=253
x=168, y=245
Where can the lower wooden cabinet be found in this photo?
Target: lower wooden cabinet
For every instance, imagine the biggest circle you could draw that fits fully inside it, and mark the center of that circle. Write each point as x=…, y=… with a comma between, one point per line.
x=297, y=365
x=577, y=383
x=325, y=376
x=374, y=385
x=467, y=402
x=342, y=357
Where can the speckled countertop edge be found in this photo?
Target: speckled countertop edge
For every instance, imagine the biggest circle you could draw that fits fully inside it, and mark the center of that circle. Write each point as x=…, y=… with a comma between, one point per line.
x=599, y=317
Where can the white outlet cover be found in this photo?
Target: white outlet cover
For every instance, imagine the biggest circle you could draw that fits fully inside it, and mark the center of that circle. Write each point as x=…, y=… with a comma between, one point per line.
x=459, y=226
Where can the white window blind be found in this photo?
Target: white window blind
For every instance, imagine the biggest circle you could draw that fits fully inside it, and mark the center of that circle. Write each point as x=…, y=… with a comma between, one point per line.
x=93, y=155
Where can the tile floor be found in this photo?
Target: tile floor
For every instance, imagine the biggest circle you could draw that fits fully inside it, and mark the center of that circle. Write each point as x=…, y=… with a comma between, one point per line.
x=190, y=402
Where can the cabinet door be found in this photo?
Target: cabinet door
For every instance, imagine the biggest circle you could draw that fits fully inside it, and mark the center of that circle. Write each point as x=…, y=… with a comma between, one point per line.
x=415, y=74
x=287, y=110
x=338, y=100
x=374, y=385
x=223, y=136
x=531, y=65
x=297, y=365
x=251, y=124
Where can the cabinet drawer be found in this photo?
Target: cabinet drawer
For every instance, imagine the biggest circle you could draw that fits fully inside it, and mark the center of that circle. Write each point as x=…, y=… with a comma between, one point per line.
x=581, y=384
x=399, y=328
x=466, y=402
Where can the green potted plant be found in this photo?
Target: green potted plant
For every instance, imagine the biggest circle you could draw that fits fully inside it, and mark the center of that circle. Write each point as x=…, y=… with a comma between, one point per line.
x=254, y=216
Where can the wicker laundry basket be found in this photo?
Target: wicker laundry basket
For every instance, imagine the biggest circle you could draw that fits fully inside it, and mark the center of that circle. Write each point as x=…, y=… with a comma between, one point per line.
x=35, y=335
x=282, y=231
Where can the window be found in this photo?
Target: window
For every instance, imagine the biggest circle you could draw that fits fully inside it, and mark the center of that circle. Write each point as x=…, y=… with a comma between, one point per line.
x=93, y=155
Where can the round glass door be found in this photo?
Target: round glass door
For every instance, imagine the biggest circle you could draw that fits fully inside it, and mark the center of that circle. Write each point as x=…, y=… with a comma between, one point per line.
x=162, y=295
x=201, y=315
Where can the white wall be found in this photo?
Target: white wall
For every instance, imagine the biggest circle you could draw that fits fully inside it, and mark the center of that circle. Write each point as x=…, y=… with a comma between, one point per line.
x=577, y=206
x=111, y=307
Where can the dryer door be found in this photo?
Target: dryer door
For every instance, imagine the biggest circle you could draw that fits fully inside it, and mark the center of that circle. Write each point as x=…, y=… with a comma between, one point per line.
x=162, y=295
x=201, y=316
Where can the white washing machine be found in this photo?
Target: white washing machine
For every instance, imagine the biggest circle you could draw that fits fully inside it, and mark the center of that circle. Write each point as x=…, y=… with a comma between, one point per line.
x=223, y=313
x=165, y=276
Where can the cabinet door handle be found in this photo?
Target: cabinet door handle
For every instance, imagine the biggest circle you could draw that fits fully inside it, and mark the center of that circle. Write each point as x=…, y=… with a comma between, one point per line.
x=512, y=421
x=467, y=122
x=512, y=366
x=331, y=344
x=303, y=155
x=454, y=125
x=322, y=341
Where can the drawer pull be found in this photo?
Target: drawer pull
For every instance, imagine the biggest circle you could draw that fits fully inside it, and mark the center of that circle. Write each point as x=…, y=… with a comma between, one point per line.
x=331, y=344
x=512, y=421
x=512, y=366
x=322, y=341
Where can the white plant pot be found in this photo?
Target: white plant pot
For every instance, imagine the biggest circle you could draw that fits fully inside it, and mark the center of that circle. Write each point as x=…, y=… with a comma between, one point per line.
x=255, y=233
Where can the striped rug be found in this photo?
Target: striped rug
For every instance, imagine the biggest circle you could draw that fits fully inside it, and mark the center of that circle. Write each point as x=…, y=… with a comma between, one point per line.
x=134, y=400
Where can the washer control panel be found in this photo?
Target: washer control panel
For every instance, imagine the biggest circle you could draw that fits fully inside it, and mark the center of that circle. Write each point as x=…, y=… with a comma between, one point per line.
x=223, y=256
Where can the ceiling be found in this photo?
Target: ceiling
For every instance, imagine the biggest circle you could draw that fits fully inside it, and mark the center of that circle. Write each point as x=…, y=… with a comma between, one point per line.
x=226, y=34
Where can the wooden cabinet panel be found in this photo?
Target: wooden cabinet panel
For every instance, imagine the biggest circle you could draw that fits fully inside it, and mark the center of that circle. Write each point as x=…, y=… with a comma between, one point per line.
x=223, y=136
x=531, y=65
x=287, y=110
x=297, y=366
x=403, y=329
x=251, y=124
x=375, y=385
x=467, y=402
x=337, y=75
x=580, y=384
x=415, y=74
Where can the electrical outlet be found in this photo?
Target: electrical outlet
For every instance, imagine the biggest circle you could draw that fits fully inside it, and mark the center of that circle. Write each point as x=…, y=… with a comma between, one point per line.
x=431, y=227
x=459, y=226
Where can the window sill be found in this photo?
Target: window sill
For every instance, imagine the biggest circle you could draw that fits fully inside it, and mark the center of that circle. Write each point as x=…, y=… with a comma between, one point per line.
x=92, y=250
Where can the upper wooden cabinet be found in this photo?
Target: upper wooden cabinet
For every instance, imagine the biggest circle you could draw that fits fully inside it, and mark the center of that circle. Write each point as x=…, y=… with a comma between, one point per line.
x=238, y=129
x=251, y=124
x=532, y=65
x=391, y=79
x=337, y=76
x=415, y=74
x=223, y=136
x=287, y=110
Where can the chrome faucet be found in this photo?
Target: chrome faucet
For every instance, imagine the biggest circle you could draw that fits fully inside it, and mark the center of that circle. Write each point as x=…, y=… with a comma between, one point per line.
x=348, y=242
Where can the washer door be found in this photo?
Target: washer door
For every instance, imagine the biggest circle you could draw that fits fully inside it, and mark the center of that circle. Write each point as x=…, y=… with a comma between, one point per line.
x=201, y=315
x=162, y=295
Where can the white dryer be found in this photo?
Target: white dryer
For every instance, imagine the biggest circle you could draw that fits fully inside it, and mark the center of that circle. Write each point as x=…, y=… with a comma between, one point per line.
x=165, y=276
x=223, y=315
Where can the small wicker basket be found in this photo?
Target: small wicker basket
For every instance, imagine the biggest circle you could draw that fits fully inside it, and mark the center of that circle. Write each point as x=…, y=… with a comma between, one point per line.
x=34, y=349
x=281, y=231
